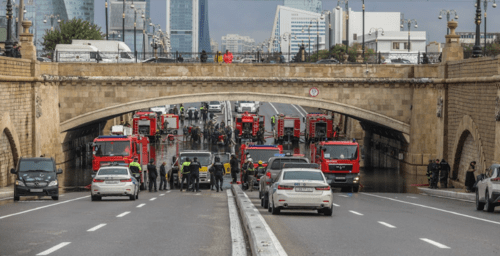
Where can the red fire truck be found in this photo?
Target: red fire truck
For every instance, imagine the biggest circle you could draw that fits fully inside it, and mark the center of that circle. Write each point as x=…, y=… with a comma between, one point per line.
x=145, y=123
x=259, y=152
x=319, y=127
x=287, y=129
x=121, y=150
x=169, y=123
x=249, y=125
x=339, y=161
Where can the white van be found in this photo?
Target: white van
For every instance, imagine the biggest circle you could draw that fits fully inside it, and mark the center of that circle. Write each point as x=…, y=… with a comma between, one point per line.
x=76, y=53
x=110, y=51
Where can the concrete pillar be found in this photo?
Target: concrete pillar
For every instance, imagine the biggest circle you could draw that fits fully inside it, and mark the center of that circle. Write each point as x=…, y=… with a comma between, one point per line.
x=28, y=50
x=452, y=50
x=367, y=148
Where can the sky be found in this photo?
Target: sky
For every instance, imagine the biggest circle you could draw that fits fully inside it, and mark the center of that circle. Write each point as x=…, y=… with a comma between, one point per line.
x=255, y=18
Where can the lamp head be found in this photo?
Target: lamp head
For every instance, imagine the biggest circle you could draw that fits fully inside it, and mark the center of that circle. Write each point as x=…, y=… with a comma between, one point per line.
x=440, y=17
x=402, y=26
x=494, y=5
x=416, y=26
x=456, y=17
x=382, y=33
x=338, y=7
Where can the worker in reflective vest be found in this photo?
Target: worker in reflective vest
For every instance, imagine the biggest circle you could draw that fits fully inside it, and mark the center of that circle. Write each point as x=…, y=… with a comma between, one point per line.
x=186, y=173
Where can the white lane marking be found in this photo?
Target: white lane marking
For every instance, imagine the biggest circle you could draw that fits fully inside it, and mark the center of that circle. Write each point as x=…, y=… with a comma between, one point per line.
x=123, y=214
x=42, y=207
x=238, y=240
x=387, y=224
x=343, y=196
x=441, y=246
x=273, y=107
x=302, y=109
x=412, y=197
x=298, y=110
x=336, y=205
x=357, y=213
x=55, y=248
x=152, y=199
x=162, y=194
x=141, y=205
x=274, y=239
x=96, y=227
x=169, y=191
x=434, y=208
x=197, y=194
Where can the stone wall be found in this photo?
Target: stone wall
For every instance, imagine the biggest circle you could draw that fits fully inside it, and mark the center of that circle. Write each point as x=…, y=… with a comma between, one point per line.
x=480, y=67
x=16, y=67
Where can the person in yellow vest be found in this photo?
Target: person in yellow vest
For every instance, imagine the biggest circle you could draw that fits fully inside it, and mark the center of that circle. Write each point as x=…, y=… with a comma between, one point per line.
x=218, y=57
x=186, y=173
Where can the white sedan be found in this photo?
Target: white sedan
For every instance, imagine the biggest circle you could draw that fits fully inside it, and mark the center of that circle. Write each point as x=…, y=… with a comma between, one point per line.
x=301, y=188
x=114, y=181
x=488, y=189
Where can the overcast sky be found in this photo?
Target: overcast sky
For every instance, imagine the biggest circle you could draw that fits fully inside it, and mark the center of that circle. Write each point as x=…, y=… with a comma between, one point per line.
x=255, y=18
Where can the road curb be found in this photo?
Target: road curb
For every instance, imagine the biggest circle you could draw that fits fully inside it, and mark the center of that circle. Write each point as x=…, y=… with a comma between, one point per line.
x=448, y=194
x=261, y=241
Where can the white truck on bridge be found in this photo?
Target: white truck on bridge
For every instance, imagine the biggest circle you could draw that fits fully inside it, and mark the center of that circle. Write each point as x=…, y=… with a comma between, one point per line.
x=102, y=51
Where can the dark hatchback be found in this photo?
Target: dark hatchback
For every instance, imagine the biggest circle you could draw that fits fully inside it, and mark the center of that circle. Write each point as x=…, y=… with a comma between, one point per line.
x=36, y=177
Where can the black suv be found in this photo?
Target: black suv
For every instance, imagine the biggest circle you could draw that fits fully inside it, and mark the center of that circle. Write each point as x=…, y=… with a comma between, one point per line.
x=36, y=177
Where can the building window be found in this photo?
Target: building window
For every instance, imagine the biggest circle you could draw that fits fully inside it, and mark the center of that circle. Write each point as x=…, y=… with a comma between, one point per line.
x=355, y=37
x=406, y=46
x=395, y=45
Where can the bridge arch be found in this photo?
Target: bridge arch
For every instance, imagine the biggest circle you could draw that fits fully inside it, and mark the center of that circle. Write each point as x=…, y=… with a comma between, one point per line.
x=345, y=109
x=13, y=147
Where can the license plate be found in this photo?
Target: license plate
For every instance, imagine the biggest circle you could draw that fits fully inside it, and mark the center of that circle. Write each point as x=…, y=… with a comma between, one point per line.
x=340, y=178
x=304, y=189
x=36, y=190
x=111, y=182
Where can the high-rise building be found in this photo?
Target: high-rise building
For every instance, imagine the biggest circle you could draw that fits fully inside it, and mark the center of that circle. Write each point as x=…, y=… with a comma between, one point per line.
x=214, y=45
x=131, y=15
x=306, y=5
x=187, y=25
x=237, y=44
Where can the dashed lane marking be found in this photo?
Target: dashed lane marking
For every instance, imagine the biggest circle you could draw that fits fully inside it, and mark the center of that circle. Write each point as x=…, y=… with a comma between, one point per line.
x=336, y=205
x=96, y=227
x=55, y=248
x=387, y=224
x=343, y=196
x=141, y=205
x=441, y=246
x=357, y=213
x=162, y=194
x=298, y=110
x=42, y=207
x=123, y=214
x=169, y=191
x=152, y=199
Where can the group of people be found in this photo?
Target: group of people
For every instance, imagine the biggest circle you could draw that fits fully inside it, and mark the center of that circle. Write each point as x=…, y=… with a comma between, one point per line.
x=190, y=173
x=135, y=167
x=438, y=171
x=251, y=173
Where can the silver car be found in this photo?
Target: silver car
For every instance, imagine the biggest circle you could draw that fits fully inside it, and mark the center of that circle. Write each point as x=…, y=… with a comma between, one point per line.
x=114, y=181
x=301, y=188
x=488, y=189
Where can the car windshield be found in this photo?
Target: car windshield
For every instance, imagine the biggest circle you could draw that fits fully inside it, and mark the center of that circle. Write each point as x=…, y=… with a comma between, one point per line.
x=44, y=165
x=224, y=158
x=112, y=148
x=113, y=171
x=262, y=154
x=302, y=175
x=204, y=159
x=214, y=103
x=278, y=163
x=246, y=102
x=348, y=152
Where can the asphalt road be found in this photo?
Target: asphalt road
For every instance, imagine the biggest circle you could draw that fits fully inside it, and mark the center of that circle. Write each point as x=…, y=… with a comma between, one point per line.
x=387, y=224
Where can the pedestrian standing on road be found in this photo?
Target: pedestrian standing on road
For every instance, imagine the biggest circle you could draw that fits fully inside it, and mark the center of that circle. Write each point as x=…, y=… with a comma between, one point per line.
x=195, y=174
x=204, y=114
x=176, y=111
x=212, y=175
x=190, y=115
x=218, y=171
x=435, y=174
x=260, y=170
x=163, y=177
x=250, y=172
x=153, y=174
x=186, y=173
x=185, y=133
x=196, y=114
x=470, y=180
x=429, y=172
x=234, y=168
x=244, y=182
x=212, y=115
x=443, y=175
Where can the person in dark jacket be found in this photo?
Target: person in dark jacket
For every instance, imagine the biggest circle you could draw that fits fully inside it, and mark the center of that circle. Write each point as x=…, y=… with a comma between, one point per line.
x=186, y=173
x=163, y=177
x=180, y=58
x=443, y=176
x=196, y=114
x=205, y=116
x=470, y=180
x=435, y=174
x=153, y=173
x=212, y=115
x=234, y=168
x=218, y=172
x=203, y=57
x=190, y=115
x=429, y=172
x=195, y=174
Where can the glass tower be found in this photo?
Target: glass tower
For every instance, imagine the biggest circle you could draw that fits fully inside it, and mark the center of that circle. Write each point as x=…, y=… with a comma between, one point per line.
x=306, y=5
x=131, y=15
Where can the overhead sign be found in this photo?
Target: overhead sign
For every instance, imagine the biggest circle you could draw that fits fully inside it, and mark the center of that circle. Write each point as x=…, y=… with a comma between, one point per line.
x=313, y=92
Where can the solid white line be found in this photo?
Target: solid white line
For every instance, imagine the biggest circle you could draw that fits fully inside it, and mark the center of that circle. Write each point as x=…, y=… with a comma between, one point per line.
x=152, y=199
x=96, y=227
x=412, y=197
x=162, y=194
x=298, y=110
x=303, y=109
x=55, y=248
x=237, y=238
x=273, y=107
x=141, y=205
x=434, y=208
x=336, y=205
x=123, y=214
x=41, y=207
x=387, y=224
x=357, y=213
x=442, y=246
x=343, y=196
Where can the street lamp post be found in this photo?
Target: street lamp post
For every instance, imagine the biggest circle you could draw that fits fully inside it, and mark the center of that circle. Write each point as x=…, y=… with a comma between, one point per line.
x=9, y=43
x=106, y=6
x=135, y=30
x=409, y=22
x=309, y=35
x=317, y=32
x=448, y=14
x=363, y=30
x=485, y=7
x=288, y=36
x=123, y=21
x=346, y=2
x=476, y=51
x=376, y=30
x=52, y=18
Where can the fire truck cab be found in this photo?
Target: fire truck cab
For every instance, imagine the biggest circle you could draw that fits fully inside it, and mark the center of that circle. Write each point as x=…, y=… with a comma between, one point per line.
x=145, y=123
x=169, y=123
x=258, y=153
x=339, y=162
x=121, y=150
x=287, y=129
x=319, y=127
x=249, y=126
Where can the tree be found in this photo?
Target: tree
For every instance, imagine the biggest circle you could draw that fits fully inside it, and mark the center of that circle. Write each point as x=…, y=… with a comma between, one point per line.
x=69, y=30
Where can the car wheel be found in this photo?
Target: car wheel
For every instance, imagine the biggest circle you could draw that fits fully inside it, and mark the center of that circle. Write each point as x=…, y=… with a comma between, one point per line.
x=328, y=211
x=262, y=202
x=16, y=198
x=132, y=197
x=265, y=198
x=479, y=205
x=268, y=206
x=141, y=187
x=55, y=198
x=489, y=206
x=274, y=210
x=137, y=195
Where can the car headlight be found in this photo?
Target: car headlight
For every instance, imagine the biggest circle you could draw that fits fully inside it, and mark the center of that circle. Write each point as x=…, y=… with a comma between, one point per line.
x=53, y=183
x=20, y=183
x=356, y=178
